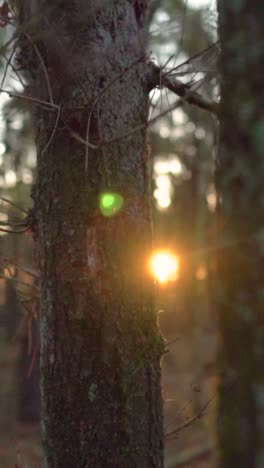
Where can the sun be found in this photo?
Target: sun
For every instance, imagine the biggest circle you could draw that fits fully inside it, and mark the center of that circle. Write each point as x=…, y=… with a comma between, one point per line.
x=164, y=266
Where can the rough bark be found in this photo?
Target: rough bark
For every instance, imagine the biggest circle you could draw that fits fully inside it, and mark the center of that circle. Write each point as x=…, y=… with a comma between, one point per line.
x=27, y=376
x=240, y=184
x=100, y=346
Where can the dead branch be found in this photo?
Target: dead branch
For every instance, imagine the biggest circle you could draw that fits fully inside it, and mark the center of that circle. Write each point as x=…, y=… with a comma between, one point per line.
x=160, y=78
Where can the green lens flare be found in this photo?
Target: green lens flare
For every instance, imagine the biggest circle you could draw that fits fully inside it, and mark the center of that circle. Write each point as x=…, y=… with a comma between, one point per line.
x=108, y=200
x=110, y=203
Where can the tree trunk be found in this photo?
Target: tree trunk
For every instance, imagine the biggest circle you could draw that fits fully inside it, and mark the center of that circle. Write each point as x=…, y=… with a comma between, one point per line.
x=100, y=346
x=240, y=178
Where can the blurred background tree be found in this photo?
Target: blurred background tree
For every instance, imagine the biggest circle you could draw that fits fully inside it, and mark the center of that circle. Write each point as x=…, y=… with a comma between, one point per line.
x=240, y=184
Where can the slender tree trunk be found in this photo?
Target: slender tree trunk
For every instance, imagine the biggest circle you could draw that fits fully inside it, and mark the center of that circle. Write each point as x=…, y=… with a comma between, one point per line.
x=100, y=346
x=240, y=183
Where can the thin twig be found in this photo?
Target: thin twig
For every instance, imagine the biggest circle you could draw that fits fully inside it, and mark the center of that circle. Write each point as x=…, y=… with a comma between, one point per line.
x=118, y=77
x=7, y=44
x=169, y=343
x=78, y=137
x=190, y=421
x=8, y=61
x=10, y=231
x=15, y=225
x=39, y=102
x=143, y=126
x=154, y=107
x=7, y=213
x=180, y=412
x=191, y=59
x=53, y=131
x=43, y=67
x=29, y=271
x=16, y=72
x=14, y=204
x=187, y=96
x=23, y=283
x=5, y=223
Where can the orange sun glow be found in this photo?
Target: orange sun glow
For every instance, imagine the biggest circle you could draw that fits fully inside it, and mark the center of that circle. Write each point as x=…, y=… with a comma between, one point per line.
x=164, y=266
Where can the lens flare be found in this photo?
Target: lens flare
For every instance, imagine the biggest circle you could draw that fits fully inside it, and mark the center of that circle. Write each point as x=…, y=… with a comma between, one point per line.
x=110, y=203
x=164, y=266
